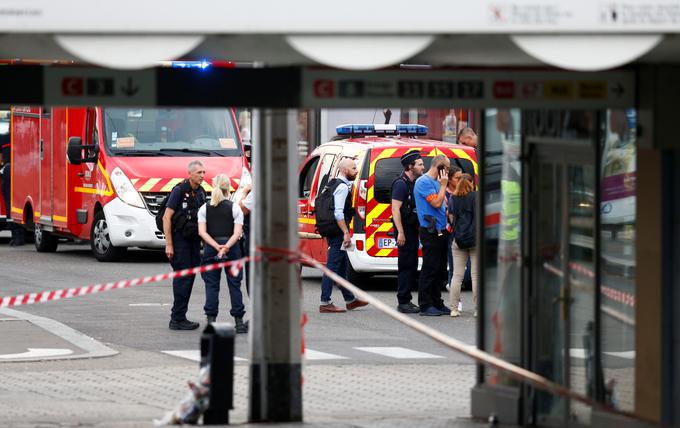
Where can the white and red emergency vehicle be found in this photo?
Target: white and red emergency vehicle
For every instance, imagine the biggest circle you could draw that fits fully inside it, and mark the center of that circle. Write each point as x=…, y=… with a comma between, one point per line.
x=99, y=174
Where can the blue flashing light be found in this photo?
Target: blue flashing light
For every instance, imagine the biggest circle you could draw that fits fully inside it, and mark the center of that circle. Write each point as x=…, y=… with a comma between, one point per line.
x=202, y=65
x=371, y=129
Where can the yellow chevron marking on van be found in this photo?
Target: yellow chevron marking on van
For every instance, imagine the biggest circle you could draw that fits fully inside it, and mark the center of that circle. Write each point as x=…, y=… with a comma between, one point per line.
x=134, y=180
x=172, y=183
x=385, y=227
x=16, y=210
x=149, y=184
x=377, y=211
x=207, y=187
x=306, y=220
x=60, y=218
x=461, y=154
x=384, y=252
x=384, y=154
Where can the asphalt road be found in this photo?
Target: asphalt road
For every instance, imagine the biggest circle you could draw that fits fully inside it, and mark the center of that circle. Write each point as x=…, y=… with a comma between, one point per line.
x=136, y=319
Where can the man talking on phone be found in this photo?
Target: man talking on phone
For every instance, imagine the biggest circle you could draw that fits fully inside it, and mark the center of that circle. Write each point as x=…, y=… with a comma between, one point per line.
x=430, y=195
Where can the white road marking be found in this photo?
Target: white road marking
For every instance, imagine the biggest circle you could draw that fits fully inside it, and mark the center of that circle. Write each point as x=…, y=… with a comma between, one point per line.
x=581, y=354
x=397, y=352
x=149, y=304
x=38, y=353
x=193, y=355
x=311, y=354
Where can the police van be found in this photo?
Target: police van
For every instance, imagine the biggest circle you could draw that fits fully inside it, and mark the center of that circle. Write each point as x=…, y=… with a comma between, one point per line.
x=376, y=149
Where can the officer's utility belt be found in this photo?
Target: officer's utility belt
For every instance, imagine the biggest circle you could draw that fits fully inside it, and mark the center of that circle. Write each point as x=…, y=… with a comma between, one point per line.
x=441, y=232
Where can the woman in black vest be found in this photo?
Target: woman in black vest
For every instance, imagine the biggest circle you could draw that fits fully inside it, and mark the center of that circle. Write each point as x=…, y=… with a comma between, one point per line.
x=220, y=224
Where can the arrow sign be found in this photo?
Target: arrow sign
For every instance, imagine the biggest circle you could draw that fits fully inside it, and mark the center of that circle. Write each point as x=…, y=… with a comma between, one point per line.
x=129, y=89
x=38, y=353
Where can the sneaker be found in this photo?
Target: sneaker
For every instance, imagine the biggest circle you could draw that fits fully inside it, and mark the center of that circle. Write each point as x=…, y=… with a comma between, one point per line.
x=356, y=303
x=241, y=327
x=330, y=308
x=211, y=318
x=430, y=312
x=444, y=310
x=408, y=308
x=455, y=313
x=183, y=325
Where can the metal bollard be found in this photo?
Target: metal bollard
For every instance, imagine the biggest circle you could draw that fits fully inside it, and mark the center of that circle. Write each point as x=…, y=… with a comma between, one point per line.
x=217, y=350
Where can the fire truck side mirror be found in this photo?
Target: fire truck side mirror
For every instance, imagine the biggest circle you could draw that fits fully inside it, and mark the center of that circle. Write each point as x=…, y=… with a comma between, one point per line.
x=74, y=152
x=78, y=153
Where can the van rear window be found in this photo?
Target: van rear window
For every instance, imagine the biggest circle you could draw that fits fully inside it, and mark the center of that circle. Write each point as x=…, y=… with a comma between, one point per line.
x=386, y=170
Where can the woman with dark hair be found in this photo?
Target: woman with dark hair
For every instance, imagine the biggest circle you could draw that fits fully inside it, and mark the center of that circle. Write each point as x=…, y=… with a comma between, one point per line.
x=462, y=207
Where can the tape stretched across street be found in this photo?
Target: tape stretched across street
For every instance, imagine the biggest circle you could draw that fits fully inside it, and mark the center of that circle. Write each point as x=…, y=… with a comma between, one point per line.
x=277, y=254
x=66, y=293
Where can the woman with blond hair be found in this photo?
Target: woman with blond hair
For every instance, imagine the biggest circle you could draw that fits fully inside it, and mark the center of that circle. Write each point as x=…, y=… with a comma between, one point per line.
x=220, y=224
x=462, y=207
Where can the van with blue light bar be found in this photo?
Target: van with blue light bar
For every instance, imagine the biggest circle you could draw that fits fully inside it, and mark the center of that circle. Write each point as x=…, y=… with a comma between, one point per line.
x=352, y=129
x=376, y=149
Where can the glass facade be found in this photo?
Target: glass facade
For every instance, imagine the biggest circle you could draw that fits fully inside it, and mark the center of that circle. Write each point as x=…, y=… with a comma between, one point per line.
x=617, y=258
x=502, y=237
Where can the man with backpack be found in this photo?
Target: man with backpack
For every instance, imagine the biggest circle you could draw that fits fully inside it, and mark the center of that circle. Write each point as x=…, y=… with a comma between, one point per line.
x=334, y=213
x=182, y=242
x=405, y=219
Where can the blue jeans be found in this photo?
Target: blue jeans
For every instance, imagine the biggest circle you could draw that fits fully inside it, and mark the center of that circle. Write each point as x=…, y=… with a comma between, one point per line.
x=212, y=282
x=337, y=262
x=187, y=255
x=467, y=277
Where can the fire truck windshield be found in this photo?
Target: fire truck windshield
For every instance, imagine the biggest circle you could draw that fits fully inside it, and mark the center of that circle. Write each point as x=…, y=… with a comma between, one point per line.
x=172, y=132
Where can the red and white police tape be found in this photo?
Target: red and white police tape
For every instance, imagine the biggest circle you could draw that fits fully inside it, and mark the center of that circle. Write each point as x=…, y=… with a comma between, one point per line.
x=234, y=266
x=516, y=372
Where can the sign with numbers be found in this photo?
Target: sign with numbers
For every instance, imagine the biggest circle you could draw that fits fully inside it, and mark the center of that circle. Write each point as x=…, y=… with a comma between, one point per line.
x=441, y=88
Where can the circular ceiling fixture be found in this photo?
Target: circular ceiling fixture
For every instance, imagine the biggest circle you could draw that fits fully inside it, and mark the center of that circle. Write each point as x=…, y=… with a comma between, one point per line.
x=359, y=52
x=587, y=52
x=127, y=51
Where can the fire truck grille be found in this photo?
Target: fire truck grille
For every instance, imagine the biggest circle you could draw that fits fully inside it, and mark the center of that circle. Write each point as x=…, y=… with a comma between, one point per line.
x=153, y=200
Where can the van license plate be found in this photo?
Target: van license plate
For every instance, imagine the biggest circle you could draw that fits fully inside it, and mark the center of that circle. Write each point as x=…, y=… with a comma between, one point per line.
x=387, y=243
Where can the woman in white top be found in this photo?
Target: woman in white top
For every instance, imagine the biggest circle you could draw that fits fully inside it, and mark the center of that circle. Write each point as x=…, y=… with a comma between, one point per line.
x=220, y=224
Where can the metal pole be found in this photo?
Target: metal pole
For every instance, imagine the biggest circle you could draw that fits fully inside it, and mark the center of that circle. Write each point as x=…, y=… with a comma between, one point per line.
x=275, y=368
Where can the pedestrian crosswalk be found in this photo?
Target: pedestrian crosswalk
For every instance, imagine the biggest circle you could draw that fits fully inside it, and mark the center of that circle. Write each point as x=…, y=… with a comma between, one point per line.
x=351, y=353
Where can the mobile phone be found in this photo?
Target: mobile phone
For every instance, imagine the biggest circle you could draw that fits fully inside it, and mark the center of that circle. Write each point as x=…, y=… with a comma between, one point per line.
x=440, y=168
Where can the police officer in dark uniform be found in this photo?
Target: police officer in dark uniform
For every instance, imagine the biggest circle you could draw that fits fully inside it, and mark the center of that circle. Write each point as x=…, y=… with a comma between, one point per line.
x=17, y=231
x=182, y=242
x=405, y=219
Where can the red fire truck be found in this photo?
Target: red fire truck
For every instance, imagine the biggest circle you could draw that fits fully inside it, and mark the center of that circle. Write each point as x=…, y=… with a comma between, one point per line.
x=99, y=174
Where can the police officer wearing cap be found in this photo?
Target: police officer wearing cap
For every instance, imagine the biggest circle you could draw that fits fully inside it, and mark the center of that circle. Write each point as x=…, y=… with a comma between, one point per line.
x=405, y=219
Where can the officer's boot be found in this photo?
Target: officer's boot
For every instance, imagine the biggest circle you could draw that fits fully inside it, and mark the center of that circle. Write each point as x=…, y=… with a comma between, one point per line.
x=241, y=327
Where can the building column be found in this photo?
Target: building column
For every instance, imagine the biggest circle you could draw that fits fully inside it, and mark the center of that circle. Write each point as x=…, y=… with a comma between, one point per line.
x=275, y=338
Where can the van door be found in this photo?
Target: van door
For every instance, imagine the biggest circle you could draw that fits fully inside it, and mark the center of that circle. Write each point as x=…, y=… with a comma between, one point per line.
x=82, y=178
x=319, y=249
x=306, y=223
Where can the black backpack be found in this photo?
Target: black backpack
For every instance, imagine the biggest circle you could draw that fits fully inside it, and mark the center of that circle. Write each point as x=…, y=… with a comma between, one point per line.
x=409, y=215
x=324, y=206
x=185, y=223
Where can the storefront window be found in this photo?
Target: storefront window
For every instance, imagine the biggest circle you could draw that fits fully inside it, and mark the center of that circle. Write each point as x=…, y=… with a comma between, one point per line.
x=617, y=224
x=502, y=235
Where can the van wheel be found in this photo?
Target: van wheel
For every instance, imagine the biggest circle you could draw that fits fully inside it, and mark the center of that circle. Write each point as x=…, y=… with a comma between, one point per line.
x=45, y=242
x=356, y=278
x=101, y=245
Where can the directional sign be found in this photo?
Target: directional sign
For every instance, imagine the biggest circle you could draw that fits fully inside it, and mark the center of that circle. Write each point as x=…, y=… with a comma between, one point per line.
x=37, y=353
x=467, y=89
x=94, y=86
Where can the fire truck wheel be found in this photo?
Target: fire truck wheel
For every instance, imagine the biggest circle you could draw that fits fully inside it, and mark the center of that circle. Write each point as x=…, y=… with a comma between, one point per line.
x=357, y=278
x=45, y=242
x=101, y=245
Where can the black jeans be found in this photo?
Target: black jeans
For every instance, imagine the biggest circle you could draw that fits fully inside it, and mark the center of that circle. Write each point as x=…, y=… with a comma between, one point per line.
x=407, y=262
x=187, y=255
x=433, y=273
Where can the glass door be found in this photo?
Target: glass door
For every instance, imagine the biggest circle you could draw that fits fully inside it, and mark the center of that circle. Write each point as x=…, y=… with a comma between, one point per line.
x=562, y=320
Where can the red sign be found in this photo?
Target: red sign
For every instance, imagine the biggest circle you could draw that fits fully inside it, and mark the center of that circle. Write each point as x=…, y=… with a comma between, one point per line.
x=72, y=86
x=504, y=89
x=324, y=88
